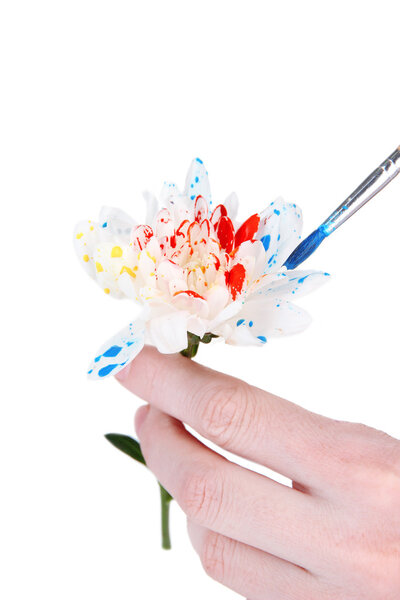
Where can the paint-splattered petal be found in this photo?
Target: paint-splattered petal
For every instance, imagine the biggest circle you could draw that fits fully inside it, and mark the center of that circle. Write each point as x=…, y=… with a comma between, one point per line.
x=118, y=351
x=116, y=223
x=197, y=183
x=280, y=231
x=293, y=284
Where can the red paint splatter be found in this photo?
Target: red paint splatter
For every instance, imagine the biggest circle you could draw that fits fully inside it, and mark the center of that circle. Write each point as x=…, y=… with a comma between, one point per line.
x=247, y=230
x=235, y=280
x=190, y=293
x=218, y=212
x=226, y=233
x=141, y=235
x=217, y=261
x=200, y=209
x=178, y=231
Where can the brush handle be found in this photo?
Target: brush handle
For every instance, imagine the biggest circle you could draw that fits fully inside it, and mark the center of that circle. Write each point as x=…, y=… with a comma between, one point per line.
x=373, y=184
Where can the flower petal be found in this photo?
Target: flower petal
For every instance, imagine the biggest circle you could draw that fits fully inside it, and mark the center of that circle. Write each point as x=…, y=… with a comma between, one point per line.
x=140, y=237
x=151, y=207
x=116, y=222
x=121, y=349
x=169, y=332
x=226, y=234
x=247, y=230
x=218, y=212
x=168, y=192
x=260, y=319
x=294, y=284
x=200, y=209
x=197, y=183
x=191, y=302
x=279, y=231
x=232, y=204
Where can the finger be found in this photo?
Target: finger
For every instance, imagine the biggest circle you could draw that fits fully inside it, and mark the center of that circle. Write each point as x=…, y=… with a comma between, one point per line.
x=236, y=416
x=248, y=571
x=229, y=499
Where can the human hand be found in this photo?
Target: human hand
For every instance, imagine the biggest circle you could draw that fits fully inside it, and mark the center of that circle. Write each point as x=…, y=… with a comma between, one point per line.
x=334, y=535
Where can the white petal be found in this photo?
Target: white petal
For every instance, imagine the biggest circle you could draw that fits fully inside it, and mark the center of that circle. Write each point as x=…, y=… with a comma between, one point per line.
x=167, y=194
x=260, y=319
x=284, y=318
x=294, y=284
x=169, y=332
x=253, y=257
x=121, y=349
x=86, y=237
x=193, y=304
x=168, y=272
x=116, y=223
x=232, y=204
x=197, y=183
x=151, y=207
x=196, y=325
x=280, y=232
x=217, y=298
x=127, y=286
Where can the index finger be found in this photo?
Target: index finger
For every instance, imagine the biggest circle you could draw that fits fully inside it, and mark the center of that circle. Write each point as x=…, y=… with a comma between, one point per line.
x=231, y=413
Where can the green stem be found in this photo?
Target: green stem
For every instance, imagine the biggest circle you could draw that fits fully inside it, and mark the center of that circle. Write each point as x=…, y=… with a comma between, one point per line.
x=189, y=352
x=165, y=503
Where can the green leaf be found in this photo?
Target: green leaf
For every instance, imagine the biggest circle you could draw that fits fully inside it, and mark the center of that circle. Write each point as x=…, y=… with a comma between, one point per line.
x=127, y=445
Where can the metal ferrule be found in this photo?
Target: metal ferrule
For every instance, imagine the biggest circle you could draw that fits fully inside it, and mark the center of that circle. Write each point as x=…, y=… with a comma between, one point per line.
x=373, y=184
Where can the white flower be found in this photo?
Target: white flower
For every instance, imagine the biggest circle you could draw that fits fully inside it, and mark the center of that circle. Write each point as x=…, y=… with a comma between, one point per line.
x=193, y=269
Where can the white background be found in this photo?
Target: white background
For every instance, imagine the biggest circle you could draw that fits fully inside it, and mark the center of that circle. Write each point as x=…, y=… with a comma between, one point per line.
x=101, y=100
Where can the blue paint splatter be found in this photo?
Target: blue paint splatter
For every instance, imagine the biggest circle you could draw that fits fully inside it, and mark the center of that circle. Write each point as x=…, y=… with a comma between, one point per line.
x=251, y=323
x=192, y=197
x=266, y=240
x=107, y=370
x=91, y=371
x=279, y=237
x=113, y=351
x=104, y=225
x=262, y=338
x=196, y=179
x=302, y=279
x=271, y=258
x=199, y=161
x=276, y=211
x=240, y=322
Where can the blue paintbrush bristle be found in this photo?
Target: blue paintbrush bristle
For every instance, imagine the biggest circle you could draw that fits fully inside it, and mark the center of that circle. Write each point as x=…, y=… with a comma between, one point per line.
x=306, y=248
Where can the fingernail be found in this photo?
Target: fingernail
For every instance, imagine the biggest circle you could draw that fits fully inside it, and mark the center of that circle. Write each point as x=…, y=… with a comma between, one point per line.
x=140, y=417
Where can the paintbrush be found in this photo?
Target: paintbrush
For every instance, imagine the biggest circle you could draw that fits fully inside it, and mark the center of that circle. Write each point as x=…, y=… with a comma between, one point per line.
x=373, y=184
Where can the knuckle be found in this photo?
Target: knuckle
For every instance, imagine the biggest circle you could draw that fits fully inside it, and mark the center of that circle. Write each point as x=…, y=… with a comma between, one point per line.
x=213, y=556
x=202, y=495
x=226, y=412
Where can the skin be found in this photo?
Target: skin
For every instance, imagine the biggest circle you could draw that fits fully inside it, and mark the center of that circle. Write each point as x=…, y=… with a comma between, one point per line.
x=335, y=534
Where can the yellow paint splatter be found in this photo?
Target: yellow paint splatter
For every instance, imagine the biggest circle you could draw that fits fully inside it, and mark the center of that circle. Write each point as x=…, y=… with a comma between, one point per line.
x=79, y=235
x=129, y=271
x=99, y=267
x=91, y=228
x=106, y=290
x=86, y=257
x=116, y=252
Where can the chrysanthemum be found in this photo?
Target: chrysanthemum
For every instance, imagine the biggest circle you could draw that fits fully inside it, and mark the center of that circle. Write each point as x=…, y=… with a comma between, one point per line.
x=194, y=270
